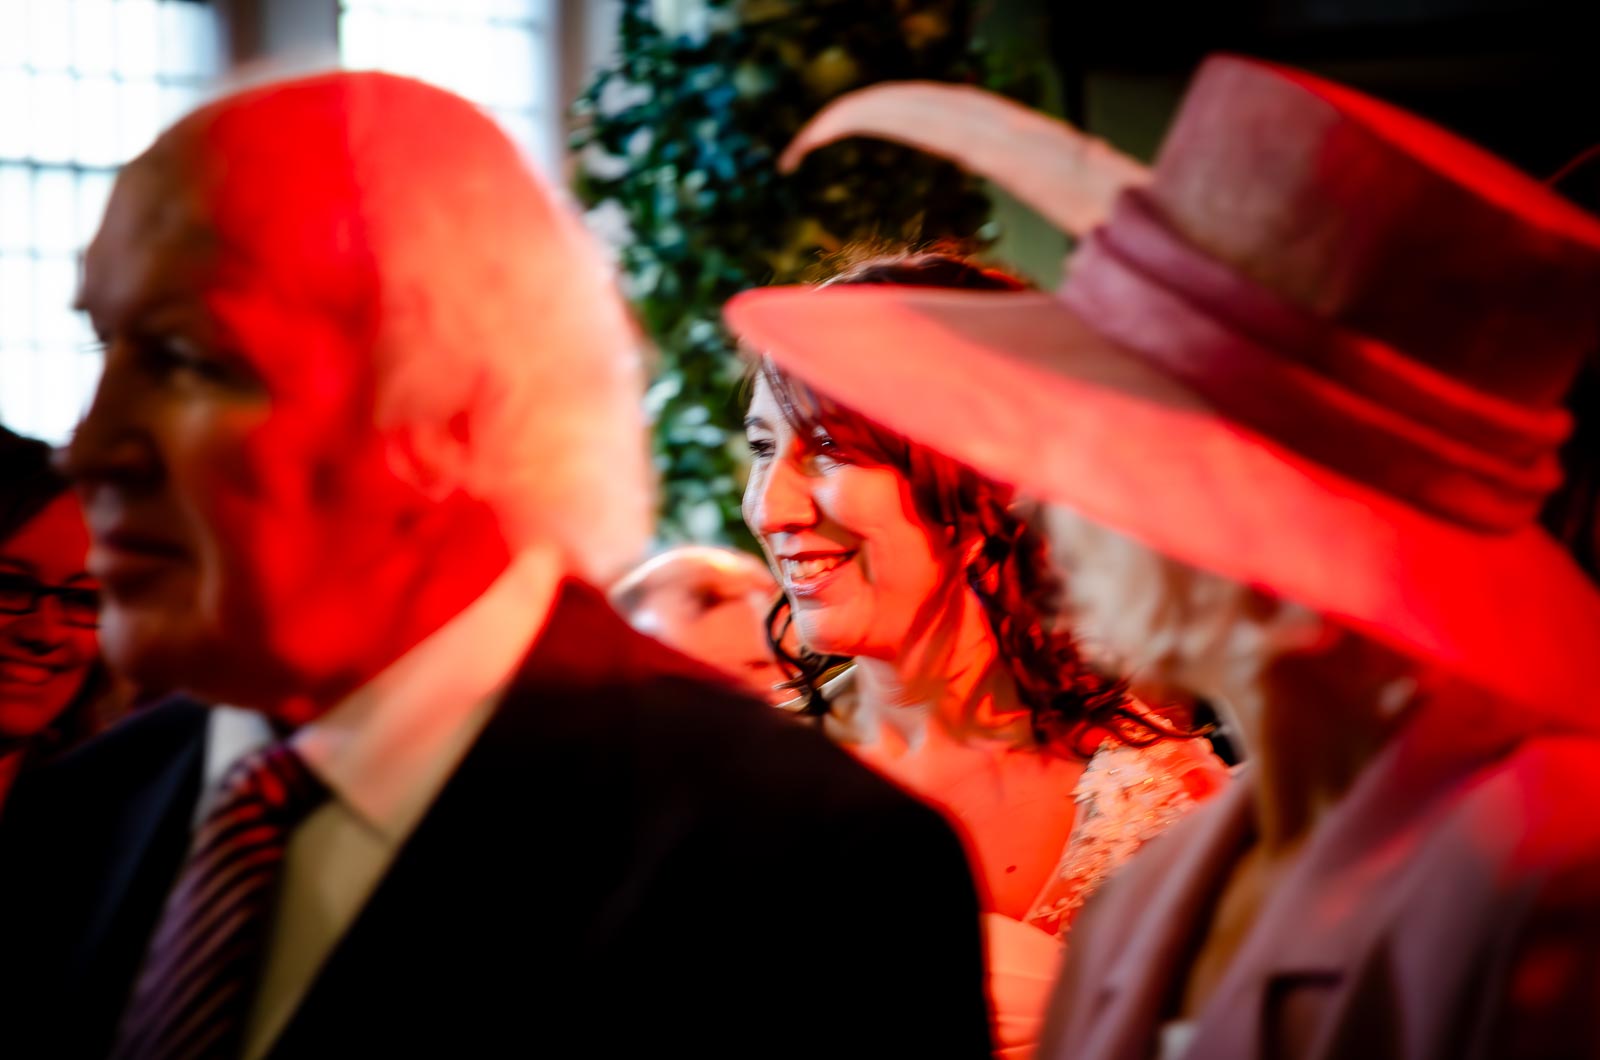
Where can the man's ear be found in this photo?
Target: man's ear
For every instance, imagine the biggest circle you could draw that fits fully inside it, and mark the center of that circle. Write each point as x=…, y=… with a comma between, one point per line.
x=433, y=457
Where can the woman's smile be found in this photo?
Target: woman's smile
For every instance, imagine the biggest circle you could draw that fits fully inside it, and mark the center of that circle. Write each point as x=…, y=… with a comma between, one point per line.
x=806, y=574
x=25, y=672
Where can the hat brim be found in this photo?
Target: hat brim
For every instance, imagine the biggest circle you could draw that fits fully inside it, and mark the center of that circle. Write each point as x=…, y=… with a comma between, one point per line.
x=1018, y=386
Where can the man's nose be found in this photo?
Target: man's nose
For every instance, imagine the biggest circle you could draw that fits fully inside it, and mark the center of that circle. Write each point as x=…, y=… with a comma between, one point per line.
x=783, y=500
x=110, y=443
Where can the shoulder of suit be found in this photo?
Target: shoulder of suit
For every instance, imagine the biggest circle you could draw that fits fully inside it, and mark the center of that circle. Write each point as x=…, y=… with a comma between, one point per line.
x=679, y=725
x=139, y=745
x=173, y=722
x=764, y=745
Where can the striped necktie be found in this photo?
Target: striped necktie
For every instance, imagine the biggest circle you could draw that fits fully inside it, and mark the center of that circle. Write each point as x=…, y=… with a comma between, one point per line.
x=194, y=992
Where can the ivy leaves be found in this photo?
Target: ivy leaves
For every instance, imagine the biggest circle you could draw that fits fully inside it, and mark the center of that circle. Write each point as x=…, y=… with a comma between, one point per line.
x=677, y=143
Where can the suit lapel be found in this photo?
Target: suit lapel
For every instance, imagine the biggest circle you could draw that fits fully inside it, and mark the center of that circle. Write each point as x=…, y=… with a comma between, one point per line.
x=153, y=836
x=1331, y=910
x=158, y=819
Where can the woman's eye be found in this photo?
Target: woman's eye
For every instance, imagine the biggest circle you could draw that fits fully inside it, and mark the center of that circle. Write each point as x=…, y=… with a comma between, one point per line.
x=827, y=454
x=761, y=448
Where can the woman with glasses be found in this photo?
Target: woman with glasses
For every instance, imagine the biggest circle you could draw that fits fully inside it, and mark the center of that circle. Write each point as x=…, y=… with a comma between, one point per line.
x=51, y=680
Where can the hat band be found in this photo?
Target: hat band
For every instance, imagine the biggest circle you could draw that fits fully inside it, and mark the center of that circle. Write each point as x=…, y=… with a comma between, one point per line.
x=1350, y=403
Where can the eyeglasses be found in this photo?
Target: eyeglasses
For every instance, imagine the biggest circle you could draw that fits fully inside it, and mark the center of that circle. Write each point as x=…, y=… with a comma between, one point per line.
x=20, y=594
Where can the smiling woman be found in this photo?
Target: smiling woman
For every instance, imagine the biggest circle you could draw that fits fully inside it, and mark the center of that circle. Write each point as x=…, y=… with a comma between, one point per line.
x=934, y=583
x=50, y=676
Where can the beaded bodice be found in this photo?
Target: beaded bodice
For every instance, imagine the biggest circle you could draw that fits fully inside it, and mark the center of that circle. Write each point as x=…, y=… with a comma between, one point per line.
x=1126, y=797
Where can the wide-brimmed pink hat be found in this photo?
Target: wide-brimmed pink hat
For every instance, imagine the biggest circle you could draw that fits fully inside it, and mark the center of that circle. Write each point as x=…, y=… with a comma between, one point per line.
x=1320, y=349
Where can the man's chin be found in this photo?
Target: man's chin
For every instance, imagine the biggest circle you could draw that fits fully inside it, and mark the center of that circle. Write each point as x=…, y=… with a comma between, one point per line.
x=160, y=652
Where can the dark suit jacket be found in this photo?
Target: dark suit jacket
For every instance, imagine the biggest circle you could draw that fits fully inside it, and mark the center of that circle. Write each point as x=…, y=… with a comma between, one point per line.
x=1448, y=908
x=632, y=860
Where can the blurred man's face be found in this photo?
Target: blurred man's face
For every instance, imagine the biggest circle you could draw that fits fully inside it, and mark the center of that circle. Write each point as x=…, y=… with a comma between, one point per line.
x=238, y=496
x=718, y=616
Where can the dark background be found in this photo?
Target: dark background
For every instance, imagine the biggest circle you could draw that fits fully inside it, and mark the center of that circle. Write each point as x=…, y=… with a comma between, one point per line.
x=1522, y=79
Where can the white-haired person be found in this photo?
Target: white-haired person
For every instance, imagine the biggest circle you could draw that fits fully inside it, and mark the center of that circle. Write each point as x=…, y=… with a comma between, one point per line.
x=711, y=604
x=367, y=427
x=1298, y=402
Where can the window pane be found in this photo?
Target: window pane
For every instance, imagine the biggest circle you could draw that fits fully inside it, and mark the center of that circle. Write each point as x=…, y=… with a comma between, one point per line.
x=55, y=205
x=16, y=207
x=49, y=34
x=16, y=125
x=54, y=108
x=475, y=10
x=188, y=39
x=96, y=131
x=84, y=85
x=503, y=74
x=55, y=285
x=361, y=40
x=497, y=53
x=138, y=37
x=16, y=301
x=64, y=402
x=94, y=39
x=13, y=35
x=536, y=10
x=18, y=391
x=139, y=116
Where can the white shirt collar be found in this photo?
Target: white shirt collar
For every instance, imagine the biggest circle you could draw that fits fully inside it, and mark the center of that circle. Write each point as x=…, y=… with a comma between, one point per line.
x=387, y=749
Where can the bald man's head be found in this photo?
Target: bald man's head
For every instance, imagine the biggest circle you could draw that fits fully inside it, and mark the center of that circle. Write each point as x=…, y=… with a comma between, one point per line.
x=710, y=604
x=498, y=352
x=356, y=351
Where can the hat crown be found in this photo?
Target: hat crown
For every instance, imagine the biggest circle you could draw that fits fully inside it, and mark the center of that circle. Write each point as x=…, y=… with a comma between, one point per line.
x=1384, y=225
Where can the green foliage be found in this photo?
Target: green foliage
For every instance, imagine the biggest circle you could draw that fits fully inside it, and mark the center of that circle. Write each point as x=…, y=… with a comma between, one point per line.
x=678, y=142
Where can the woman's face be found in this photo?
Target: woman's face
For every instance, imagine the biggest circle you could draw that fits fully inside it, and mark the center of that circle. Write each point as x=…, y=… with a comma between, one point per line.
x=862, y=571
x=47, y=639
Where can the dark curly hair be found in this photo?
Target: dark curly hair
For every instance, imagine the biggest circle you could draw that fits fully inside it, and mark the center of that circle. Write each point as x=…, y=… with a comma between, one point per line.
x=1071, y=703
